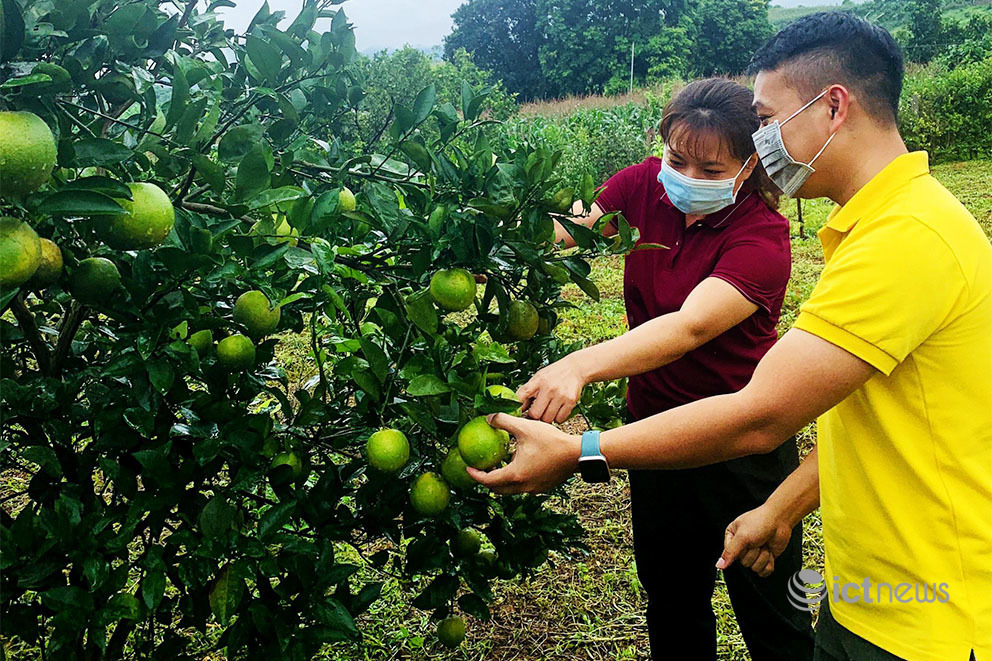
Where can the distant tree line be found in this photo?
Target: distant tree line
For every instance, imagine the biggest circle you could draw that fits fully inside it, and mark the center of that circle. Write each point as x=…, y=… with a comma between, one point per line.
x=549, y=48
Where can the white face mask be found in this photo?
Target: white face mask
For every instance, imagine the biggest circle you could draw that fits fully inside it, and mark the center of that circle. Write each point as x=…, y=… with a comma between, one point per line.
x=697, y=196
x=787, y=173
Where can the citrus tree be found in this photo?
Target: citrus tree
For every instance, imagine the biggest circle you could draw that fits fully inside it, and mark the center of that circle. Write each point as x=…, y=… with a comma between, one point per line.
x=184, y=214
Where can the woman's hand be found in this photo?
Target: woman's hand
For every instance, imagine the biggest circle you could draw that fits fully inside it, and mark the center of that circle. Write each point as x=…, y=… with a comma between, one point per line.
x=755, y=539
x=545, y=456
x=553, y=391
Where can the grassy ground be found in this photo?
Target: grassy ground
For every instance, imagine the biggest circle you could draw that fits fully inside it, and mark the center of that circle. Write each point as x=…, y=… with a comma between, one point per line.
x=593, y=609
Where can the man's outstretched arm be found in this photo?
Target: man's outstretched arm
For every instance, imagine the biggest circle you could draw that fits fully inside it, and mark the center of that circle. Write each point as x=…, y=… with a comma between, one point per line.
x=801, y=377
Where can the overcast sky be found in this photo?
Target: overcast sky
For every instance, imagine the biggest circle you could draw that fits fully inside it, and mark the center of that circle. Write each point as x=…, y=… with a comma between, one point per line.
x=378, y=23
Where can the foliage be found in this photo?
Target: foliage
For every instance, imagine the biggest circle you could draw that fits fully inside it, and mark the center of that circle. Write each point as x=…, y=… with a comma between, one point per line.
x=165, y=495
x=502, y=37
x=593, y=140
x=396, y=78
x=728, y=31
x=948, y=112
x=585, y=46
x=926, y=30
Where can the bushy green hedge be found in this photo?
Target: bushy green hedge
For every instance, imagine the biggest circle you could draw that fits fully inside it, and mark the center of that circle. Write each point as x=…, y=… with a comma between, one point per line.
x=949, y=113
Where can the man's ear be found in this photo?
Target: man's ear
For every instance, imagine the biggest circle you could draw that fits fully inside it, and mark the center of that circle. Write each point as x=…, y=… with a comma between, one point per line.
x=838, y=100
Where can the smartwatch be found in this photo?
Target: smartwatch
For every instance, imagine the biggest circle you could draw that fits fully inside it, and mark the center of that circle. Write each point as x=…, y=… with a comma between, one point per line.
x=592, y=464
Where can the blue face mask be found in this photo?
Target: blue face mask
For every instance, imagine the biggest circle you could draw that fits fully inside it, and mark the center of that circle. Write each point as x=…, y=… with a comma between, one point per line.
x=697, y=196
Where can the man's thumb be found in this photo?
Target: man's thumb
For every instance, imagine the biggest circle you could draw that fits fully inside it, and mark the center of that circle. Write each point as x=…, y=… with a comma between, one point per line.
x=732, y=547
x=510, y=423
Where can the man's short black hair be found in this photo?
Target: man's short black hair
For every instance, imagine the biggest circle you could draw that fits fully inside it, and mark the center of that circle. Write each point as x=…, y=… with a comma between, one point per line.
x=837, y=47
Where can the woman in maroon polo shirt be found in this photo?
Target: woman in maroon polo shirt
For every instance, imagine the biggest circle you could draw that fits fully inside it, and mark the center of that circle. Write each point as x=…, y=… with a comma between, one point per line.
x=702, y=313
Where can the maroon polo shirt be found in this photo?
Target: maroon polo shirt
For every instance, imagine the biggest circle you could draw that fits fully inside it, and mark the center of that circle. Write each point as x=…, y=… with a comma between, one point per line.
x=746, y=244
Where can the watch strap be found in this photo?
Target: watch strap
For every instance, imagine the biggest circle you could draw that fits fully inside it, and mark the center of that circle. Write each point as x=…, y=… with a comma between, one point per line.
x=590, y=443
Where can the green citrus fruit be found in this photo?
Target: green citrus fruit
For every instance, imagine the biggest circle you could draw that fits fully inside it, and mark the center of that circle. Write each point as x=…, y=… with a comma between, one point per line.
x=488, y=558
x=293, y=471
x=562, y=200
x=116, y=88
x=146, y=221
x=502, y=392
x=60, y=77
x=276, y=230
x=466, y=543
x=94, y=279
x=346, y=200
x=201, y=240
x=453, y=470
x=451, y=632
x=523, y=320
x=27, y=153
x=254, y=311
x=20, y=252
x=50, y=267
x=429, y=494
x=201, y=340
x=236, y=353
x=453, y=289
x=388, y=450
x=482, y=446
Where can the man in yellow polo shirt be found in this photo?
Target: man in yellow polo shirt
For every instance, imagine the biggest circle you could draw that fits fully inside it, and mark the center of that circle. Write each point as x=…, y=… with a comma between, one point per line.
x=892, y=353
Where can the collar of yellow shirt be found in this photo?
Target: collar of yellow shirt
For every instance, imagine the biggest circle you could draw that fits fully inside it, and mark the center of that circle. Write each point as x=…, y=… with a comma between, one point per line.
x=877, y=192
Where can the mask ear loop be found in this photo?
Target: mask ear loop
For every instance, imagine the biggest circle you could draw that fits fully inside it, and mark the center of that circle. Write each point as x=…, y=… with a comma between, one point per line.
x=808, y=104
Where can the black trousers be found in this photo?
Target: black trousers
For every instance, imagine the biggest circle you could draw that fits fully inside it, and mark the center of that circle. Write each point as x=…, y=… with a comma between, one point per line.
x=836, y=643
x=679, y=518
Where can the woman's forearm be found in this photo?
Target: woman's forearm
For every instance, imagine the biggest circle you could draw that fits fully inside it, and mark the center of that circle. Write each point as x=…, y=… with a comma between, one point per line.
x=647, y=347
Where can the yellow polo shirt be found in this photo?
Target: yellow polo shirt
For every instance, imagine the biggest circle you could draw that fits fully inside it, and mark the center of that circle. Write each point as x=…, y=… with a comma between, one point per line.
x=906, y=460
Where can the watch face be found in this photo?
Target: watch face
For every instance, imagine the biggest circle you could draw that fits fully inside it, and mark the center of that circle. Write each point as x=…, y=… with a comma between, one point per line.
x=594, y=469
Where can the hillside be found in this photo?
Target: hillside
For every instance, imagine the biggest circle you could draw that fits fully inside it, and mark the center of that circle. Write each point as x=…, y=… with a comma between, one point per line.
x=890, y=13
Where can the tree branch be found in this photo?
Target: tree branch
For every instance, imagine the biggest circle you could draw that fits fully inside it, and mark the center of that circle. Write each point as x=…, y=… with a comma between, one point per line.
x=30, y=329
x=70, y=324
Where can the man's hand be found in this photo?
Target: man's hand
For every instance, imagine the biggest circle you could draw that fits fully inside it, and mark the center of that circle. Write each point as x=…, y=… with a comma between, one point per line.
x=755, y=539
x=551, y=394
x=545, y=457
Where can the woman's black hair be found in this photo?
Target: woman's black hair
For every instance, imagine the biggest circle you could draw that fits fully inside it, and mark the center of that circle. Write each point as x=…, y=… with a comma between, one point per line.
x=720, y=107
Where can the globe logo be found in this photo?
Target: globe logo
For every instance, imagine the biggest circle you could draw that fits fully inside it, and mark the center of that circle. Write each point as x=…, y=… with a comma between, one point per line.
x=806, y=588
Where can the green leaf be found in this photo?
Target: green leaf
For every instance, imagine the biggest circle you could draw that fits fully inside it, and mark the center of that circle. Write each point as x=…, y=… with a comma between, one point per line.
x=212, y=173
x=105, y=185
x=160, y=374
x=180, y=96
x=377, y=358
x=474, y=606
x=437, y=595
x=153, y=589
x=79, y=203
x=237, y=142
x=225, y=595
x=277, y=196
x=253, y=175
x=421, y=311
x=217, y=517
x=427, y=384
x=99, y=152
x=424, y=103
x=11, y=29
x=418, y=154
x=32, y=79
x=275, y=518
x=338, y=622
x=266, y=58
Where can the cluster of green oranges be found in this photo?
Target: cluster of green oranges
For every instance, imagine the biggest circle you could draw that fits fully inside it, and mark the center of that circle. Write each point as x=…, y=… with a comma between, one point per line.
x=454, y=290
x=478, y=445
x=27, y=158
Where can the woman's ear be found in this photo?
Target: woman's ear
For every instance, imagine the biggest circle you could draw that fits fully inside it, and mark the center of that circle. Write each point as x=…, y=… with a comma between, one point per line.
x=752, y=163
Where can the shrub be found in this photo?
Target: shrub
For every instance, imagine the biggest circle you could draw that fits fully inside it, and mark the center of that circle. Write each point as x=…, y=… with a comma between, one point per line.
x=948, y=113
